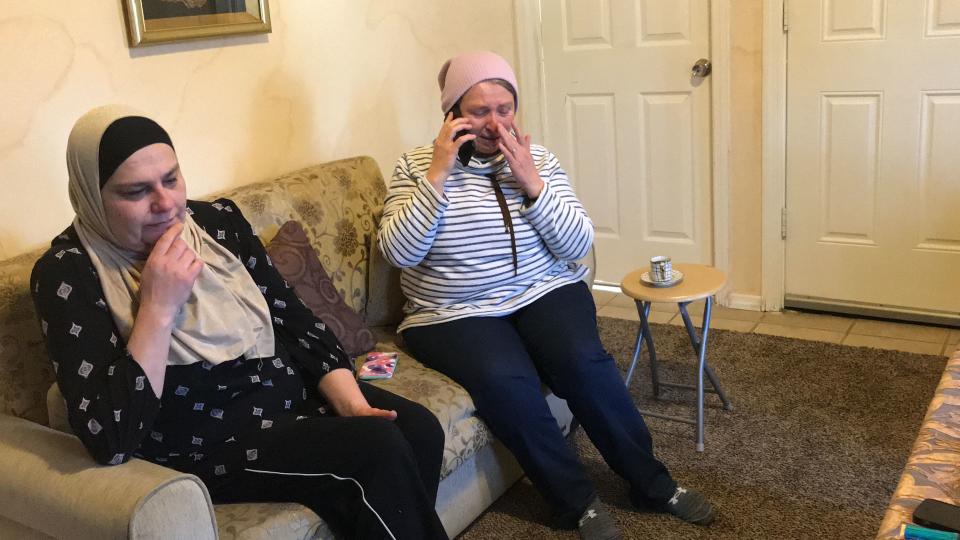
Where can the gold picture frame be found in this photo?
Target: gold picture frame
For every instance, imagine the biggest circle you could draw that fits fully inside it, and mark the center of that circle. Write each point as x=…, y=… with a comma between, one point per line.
x=165, y=21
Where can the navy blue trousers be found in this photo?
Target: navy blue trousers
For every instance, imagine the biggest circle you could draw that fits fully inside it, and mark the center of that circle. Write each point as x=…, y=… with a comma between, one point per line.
x=501, y=362
x=369, y=478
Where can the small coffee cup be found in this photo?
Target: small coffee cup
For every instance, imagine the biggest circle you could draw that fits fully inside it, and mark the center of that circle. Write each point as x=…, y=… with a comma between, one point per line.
x=661, y=269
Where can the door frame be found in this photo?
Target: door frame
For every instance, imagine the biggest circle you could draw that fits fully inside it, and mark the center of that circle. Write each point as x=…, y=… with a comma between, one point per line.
x=774, y=155
x=529, y=46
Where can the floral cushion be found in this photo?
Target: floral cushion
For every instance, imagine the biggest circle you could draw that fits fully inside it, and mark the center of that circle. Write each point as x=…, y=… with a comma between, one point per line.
x=25, y=370
x=465, y=433
x=384, y=306
x=297, y=262
x=266, y=521
x=337, y=203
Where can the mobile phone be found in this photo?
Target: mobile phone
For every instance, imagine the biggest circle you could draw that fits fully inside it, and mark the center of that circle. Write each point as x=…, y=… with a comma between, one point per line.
x=466, y=149
x=937, y=515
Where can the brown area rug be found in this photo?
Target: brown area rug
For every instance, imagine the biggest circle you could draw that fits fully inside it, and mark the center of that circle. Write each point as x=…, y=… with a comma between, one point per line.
x=813, y=448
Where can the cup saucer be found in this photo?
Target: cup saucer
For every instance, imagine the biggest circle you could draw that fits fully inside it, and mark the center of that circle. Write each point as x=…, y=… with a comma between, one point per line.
x=676, y=276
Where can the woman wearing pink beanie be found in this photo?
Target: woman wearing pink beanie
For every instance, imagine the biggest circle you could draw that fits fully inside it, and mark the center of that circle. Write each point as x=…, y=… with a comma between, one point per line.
x=487, y=230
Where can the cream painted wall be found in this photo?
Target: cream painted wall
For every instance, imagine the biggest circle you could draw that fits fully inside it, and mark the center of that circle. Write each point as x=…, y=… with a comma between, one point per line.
x=335, y=78
x=746, y=28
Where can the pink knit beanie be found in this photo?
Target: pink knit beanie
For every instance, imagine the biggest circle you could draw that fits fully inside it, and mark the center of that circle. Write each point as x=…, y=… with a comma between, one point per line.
x=461, y=72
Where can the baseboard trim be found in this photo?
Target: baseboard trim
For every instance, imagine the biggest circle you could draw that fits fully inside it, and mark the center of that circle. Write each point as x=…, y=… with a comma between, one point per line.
x=882, y=311
x=606, y=287
x=751, y=302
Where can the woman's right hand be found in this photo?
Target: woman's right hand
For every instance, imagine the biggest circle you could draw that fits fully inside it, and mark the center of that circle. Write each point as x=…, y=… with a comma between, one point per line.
x=168, y=275
x=445, y=149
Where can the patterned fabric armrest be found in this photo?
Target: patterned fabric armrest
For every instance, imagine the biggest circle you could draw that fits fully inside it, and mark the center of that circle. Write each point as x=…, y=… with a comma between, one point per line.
x=50, y=484
x=933, y=467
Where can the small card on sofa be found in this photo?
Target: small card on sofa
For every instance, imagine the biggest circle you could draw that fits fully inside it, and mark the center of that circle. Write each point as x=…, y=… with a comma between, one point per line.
x=378, y=365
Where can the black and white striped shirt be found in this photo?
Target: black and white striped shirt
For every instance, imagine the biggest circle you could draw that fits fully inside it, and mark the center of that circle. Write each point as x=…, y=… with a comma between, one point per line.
x=454, y=247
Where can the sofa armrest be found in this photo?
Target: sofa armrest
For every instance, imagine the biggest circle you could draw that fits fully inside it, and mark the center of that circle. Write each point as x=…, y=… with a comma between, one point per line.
x=933, y=466
x=49, y=483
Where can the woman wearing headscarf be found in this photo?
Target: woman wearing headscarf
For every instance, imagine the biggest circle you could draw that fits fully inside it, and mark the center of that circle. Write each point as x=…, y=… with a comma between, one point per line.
x=176, y=341
x=487, y=240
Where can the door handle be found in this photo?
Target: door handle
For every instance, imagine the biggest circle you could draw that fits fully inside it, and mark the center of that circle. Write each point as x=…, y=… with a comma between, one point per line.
x=701, y=69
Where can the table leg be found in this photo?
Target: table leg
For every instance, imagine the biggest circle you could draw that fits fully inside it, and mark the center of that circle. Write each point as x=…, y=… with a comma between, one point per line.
x=696, y=343
x=701, y=365
x=648, y=335
x=700, y=350
x=637, y=345
x=644, y=335
x=701, y=361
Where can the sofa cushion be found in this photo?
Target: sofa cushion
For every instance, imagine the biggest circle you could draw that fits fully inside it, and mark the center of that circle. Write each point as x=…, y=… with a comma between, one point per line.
x=57, y=410
x=465, y=433
x=266, y=521
x=336, y=202
x=384, y=305
x=297, y=262
x=25, y=369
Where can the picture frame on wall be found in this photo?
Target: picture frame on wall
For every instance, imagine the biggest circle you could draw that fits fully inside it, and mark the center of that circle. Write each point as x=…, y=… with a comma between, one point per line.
x=164, y=21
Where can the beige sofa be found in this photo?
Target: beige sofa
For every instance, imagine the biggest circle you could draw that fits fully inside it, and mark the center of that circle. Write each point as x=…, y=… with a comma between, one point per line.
x=933, y=467
x=50, y=487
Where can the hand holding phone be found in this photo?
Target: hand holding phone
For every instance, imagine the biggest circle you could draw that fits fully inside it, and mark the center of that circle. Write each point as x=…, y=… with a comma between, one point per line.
x=454, y=134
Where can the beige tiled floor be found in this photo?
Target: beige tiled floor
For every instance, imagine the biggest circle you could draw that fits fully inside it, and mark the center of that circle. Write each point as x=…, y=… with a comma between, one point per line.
x=915, y=338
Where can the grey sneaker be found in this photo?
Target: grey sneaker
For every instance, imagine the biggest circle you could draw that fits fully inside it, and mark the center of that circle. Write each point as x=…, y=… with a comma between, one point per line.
x=691, y=506
x=597, y=524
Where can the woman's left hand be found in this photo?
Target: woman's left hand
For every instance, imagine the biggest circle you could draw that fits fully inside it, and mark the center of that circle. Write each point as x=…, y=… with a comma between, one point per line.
x=516, y=148
x=366, y=410
x=343, y=393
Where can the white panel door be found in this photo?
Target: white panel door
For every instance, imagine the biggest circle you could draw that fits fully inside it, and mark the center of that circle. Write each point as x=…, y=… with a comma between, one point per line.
x=873, y=155
x=630, y=125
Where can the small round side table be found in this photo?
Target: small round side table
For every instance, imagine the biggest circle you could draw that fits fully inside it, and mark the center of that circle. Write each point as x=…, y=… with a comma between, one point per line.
x=699, y=282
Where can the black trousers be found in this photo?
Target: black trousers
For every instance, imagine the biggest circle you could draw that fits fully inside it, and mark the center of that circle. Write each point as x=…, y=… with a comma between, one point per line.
x=369, y=478
x=501, y=362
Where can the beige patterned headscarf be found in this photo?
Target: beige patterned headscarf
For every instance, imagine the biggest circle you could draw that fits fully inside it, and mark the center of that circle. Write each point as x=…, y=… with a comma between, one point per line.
x=226, y=315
